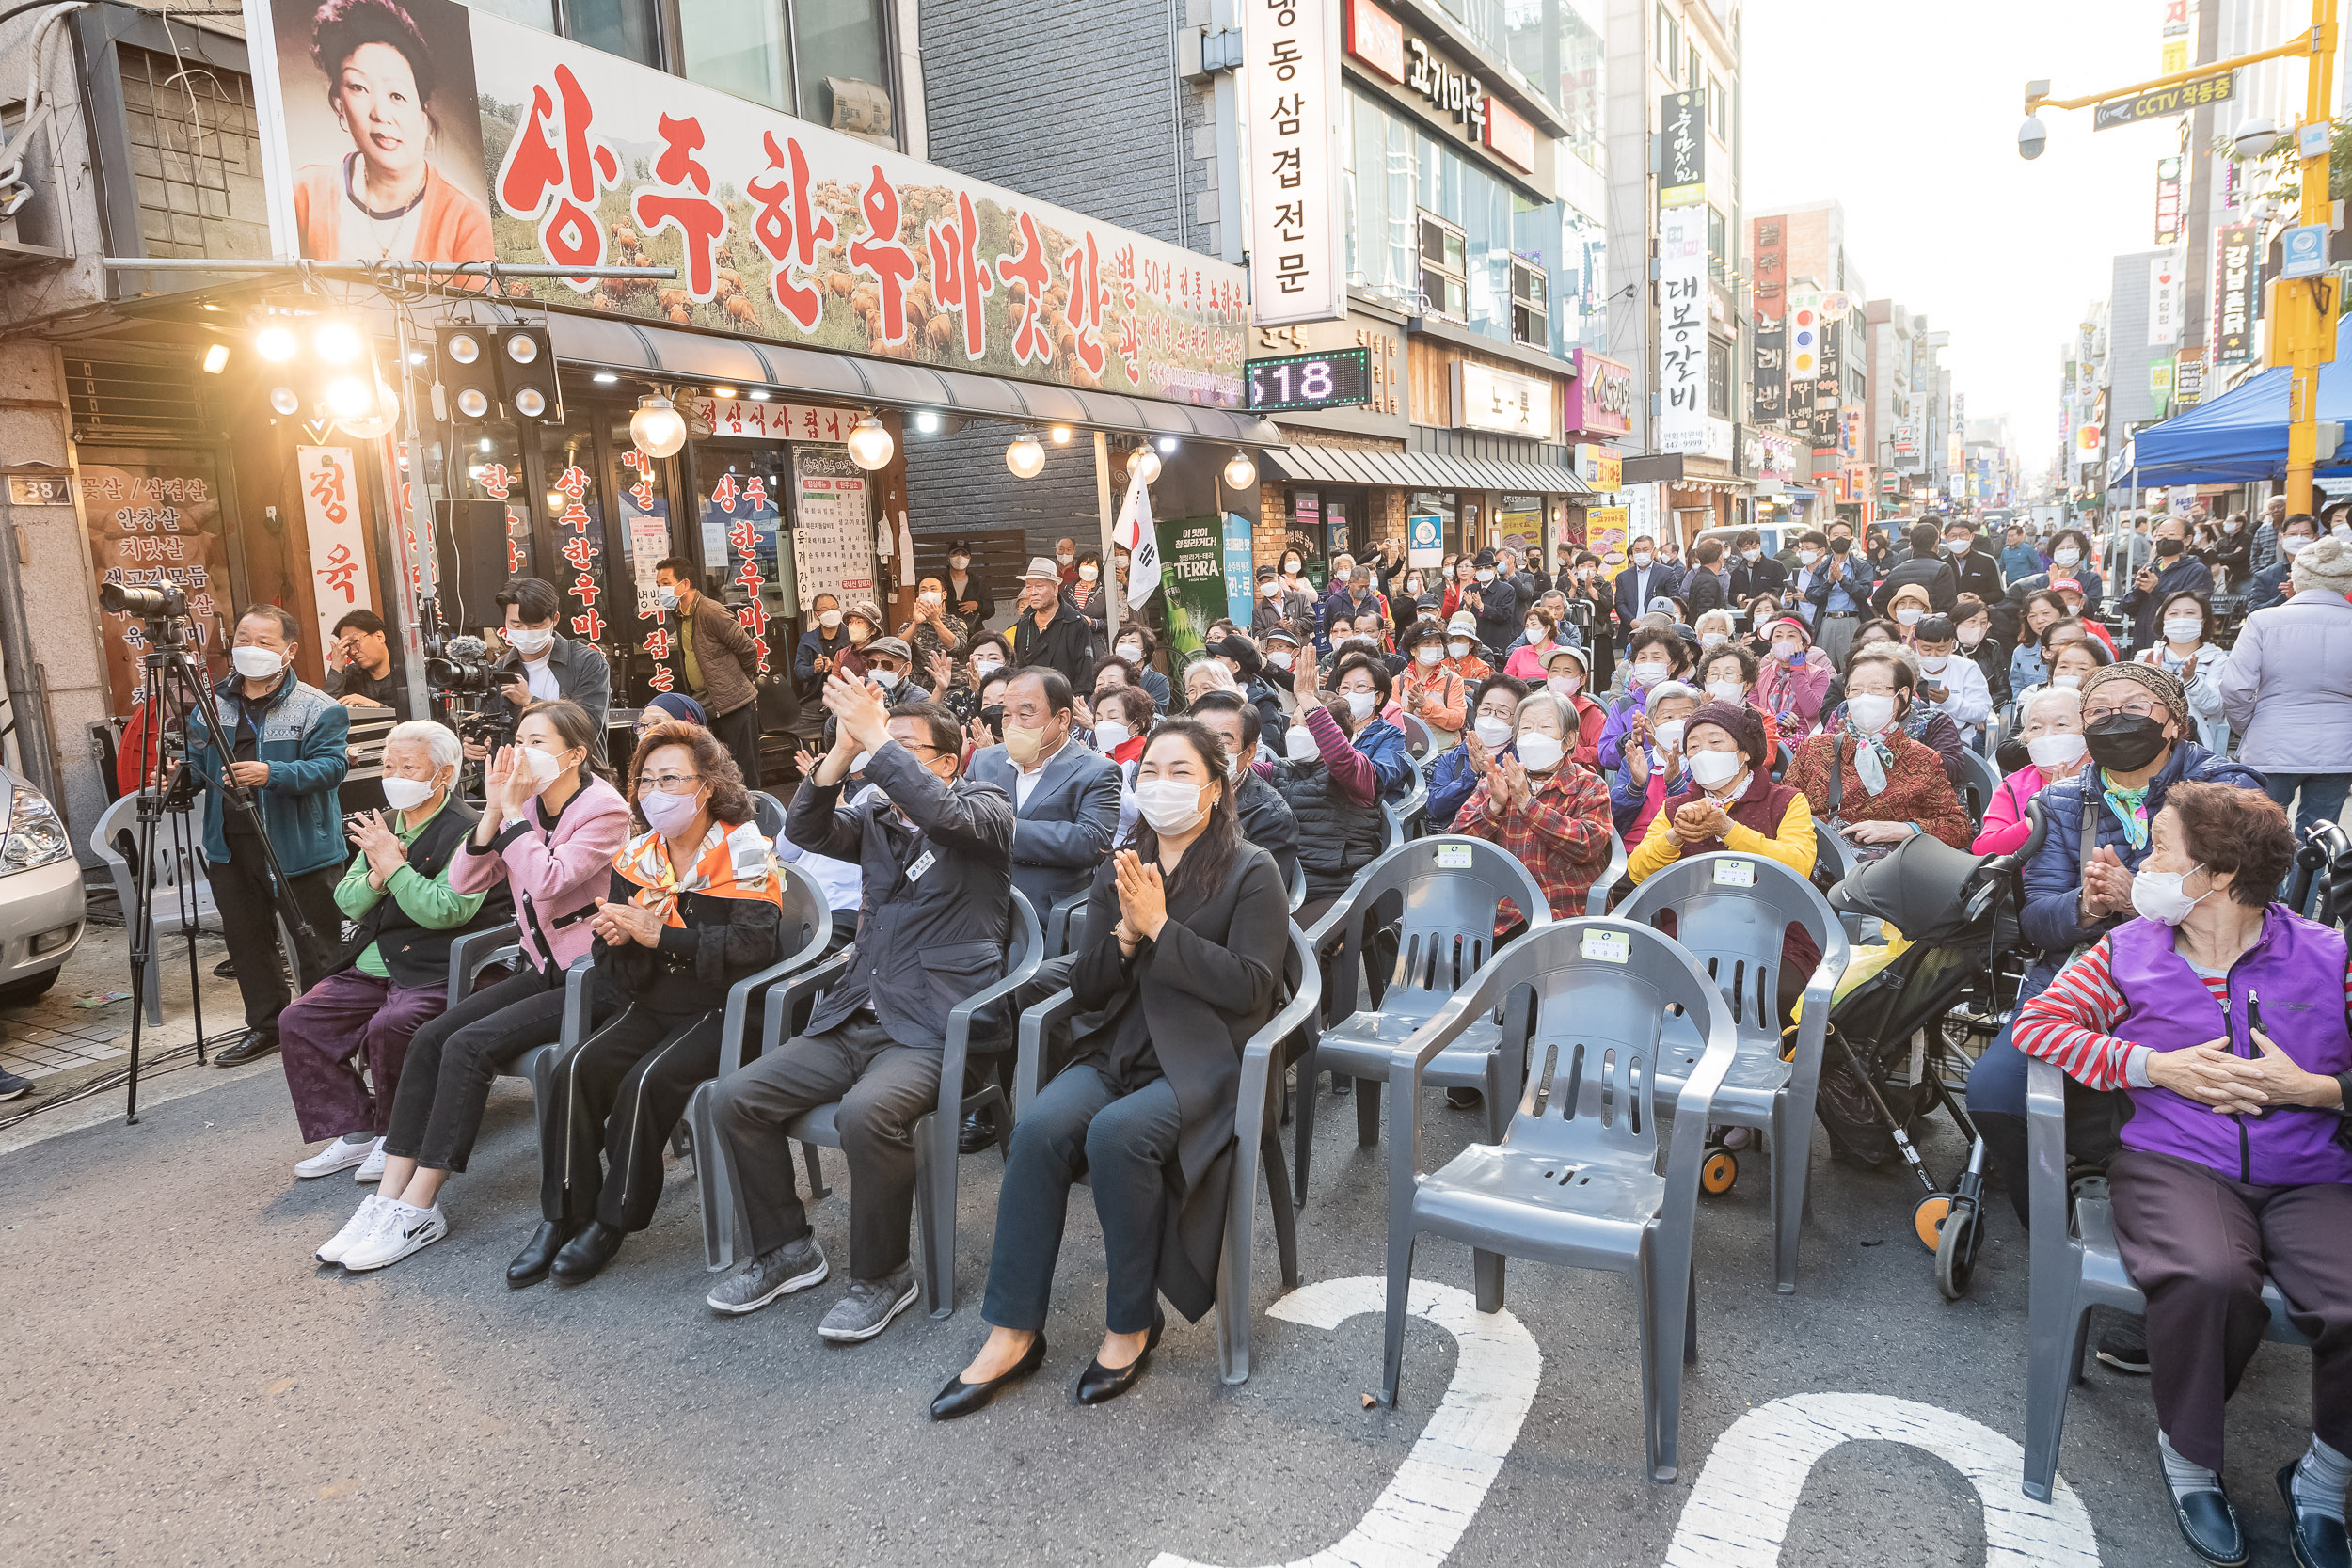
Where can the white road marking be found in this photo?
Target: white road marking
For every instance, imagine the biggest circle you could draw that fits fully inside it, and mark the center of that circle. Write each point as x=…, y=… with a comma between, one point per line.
x=1739, y=1510
x=1421, y=1514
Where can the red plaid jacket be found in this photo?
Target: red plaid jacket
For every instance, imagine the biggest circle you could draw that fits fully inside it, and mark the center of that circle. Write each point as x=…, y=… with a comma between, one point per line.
x=1563, y=835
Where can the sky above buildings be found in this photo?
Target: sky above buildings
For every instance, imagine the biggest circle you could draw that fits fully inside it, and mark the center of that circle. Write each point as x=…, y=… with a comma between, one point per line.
x=1909, y=115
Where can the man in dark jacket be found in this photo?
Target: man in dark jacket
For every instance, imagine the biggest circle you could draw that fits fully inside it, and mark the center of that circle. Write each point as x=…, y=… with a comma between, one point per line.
x=1065, y=794
x=1644, y=577
x=1501, y=616
x=2172, y=571
x=1924, y=567
x=822, y=647
x=1753, y=572
x=719, y=662
x=2273, y=584
x=1973, y=567
x=2127, y=709
x=543, y=664
x=936, y=854
x=1266, y=816
x=1051, y=631
x=1709, y=584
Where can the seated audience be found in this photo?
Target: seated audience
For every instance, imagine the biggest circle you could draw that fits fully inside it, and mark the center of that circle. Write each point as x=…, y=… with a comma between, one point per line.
x=1122, y=719
x=2051, y=725
x=1426, y=689
x=1065, y=795
x=1362, y=682
x=1867, y=776
x=1566, y=675
x=1266, y=816
x=1526, y=660
x=1494, y=721
x=2189, y=654
x=1461, y=648
x=1544, y=807
x=1136, y=645
x=1650, y=768
x=1951, y=684
x=1654, y=654
x=1727, y=672
x=1792, y=676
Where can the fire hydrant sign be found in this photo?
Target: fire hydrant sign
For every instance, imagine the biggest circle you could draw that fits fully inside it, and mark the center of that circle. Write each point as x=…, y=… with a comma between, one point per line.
x=337, y=539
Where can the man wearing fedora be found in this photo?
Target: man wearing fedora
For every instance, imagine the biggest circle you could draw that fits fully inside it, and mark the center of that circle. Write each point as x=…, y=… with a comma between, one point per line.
x=1053, y=632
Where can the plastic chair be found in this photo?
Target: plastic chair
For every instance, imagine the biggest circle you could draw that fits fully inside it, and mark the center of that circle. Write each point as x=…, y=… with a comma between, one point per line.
x=1282, y=1040
x=934, y=1132
x=2075, y=1270
x=1597, y=897
x=1417, y=739
x=1575, y=1179
x=175, y=869
x=1065, y=925
x=1409, y=815
x=1299, y=884
x=1450, y=887
x=1982, y=784
x=768, y=813
x=1731, y=913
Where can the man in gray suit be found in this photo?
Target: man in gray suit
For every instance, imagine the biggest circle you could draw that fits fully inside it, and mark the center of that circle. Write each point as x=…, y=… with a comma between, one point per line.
x=934, y=852
x=1065, y=795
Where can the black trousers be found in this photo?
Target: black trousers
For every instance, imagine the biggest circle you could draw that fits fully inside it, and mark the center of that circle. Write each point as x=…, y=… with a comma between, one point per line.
x=250, y=920
x=452, y=1061
x=883, y=1087
x=739, y=732
x=1124, y=1144
x=618, y=1096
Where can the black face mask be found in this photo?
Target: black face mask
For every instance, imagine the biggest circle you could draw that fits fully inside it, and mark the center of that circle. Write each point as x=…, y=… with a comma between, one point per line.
x=2170, y=547
x=2124, y=742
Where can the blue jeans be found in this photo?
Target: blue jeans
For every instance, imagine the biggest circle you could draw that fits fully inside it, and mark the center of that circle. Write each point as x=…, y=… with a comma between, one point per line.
x=2323, y=796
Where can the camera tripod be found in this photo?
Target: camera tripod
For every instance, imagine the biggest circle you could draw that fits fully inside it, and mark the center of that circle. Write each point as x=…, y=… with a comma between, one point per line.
x=174, y=689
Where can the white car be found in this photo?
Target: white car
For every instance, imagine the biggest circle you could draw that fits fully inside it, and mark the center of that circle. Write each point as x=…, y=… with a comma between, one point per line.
x=40, y=893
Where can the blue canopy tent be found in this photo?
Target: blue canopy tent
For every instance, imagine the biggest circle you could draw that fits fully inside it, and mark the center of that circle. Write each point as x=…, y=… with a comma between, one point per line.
x=2240, y=435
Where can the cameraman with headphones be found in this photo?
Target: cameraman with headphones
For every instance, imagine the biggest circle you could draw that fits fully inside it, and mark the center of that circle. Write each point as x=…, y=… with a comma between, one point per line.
x=545, y=665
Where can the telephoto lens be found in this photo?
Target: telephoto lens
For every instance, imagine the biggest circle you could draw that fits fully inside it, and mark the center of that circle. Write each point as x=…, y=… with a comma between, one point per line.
x=151, y=603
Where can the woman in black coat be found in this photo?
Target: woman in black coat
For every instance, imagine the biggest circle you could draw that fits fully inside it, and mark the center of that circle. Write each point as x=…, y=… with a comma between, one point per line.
x=1185, y=928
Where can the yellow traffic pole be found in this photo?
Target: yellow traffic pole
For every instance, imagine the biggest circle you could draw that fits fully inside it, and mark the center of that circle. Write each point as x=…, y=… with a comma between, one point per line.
x=2315, y=344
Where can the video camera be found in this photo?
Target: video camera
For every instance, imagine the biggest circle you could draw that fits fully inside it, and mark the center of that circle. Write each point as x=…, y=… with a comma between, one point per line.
x=458, y=665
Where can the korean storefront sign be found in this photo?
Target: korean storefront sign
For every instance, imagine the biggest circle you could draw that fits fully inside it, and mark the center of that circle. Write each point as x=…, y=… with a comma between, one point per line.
x=2168, y=202
x=1600, y=467
x=548, y=152
x=1601, y=401
x=1769, y=267
x=1384, y=48
x=2164, y=301
x=337, y=534
x=765, y=421
x=1682, y=329
x=153, y=520
x=1297, y=269
x=1682, y=150
x=1803, y=323
x=1485, y=398
x=2240, y=269
x=1768, y=400
x=1192, y=573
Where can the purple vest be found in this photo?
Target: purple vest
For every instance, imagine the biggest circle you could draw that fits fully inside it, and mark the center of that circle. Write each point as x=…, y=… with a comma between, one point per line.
x=2297, y=969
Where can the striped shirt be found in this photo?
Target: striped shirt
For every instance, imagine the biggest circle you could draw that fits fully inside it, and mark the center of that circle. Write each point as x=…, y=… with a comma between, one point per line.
x=2071, y=1024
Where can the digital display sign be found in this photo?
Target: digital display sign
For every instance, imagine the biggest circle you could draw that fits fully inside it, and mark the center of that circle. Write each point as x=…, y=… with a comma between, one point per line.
x=1329, y=380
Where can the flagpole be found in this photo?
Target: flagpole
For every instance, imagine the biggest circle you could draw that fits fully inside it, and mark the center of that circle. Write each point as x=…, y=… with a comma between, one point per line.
x=1110, y=546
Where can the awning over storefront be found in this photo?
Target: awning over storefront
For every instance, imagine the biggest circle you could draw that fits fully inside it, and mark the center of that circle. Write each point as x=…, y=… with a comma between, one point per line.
x=1423, y=470
x=665, y=354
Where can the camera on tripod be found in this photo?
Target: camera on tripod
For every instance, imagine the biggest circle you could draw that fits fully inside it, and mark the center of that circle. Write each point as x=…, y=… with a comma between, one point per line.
x=153, y=604
x=457, y=666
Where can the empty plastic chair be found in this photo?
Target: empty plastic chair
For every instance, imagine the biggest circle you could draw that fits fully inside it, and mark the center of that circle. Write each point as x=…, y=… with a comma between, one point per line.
x=1575, y=1179
x=1418, y=738
x=1596, y=897
x=183, y=888
x=2075, y=1268
x=1732, y=913
x=1978, y=789
x=1450, y=888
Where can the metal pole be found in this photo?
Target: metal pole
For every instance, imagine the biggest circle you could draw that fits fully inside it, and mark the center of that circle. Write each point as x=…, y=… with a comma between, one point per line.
x=2315, y=344
x=412, y=570
x=31, y=714
x=1112, y=614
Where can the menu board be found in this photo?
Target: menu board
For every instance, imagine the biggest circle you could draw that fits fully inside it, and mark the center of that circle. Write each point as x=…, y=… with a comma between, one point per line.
x=833, y=535
x=153, y=521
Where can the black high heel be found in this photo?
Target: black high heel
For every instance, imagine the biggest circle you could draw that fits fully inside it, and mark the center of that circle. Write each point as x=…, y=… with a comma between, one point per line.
x=1099, y=1384
x=960, y=1398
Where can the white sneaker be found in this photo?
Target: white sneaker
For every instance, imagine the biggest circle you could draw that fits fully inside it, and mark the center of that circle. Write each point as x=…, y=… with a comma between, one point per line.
x=354, y=1230
x=342, y=1154
x=403, y=1229
x=371, y=1168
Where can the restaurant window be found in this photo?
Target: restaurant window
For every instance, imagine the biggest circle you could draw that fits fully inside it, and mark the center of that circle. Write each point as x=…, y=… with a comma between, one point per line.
x=195, y=158
x=498, y=492
x=623, y=27
x=824, y=60
x=742, y=490
x=1445, y=506
x=1530, y=311
x=1444, y=280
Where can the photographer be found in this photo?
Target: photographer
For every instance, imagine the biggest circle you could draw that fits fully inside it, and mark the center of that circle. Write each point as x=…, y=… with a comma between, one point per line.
x=359, y=666
x=544, y=666
x=721, y=667
x=286, y=750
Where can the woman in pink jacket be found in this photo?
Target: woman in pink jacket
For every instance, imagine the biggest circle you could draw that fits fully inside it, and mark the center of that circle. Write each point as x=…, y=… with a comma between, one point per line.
x=549, y=829
x=1793, y=680
x=2053, y=718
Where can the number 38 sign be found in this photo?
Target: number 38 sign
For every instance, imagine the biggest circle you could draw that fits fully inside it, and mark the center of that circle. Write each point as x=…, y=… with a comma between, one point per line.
x=1329, y=380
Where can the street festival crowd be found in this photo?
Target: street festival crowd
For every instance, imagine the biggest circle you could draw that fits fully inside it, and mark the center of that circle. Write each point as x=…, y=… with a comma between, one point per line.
x=2175, y=691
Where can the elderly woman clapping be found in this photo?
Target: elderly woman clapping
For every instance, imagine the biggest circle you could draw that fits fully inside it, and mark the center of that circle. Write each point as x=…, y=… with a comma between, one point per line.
x=2053, y=732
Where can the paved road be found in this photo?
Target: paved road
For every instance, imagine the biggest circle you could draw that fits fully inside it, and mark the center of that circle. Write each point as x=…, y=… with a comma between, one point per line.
x=185, y=1385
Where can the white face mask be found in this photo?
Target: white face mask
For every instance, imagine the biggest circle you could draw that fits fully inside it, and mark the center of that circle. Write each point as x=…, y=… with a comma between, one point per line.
x=1871, y=711
x=932, y=597
x=256, y=664
x=2342, y=530
x=1971, y=636
x=1957, y=547
x=1271, y=588
x=1807, y=558
x=2066, y=682
x=2066, y=557
x=2054, y=751
x=2295, y=544
x=1290, y=568
x=1170, y=806
x=1649, y=674
x=1565, y=686
x=1711, y=640
x=1300, y=745
x=1281, y=658
x=1642, y=558
x=1428, y=655
x=1535, y=633
x=1714, y=769
x=1750, y=557
x=1785, y=651
x=958, y=562
x=2183, y=629
x=1668, y=735
x=1131, y=651
x=1910, y=615
x=1065, y=557
x=886, y=679
x=1492, y=733
x=1934, y=663
x=544, y=766
x=1485, y=574
x=1360, y=704
x=983, y=668
x=406, y=793
x=1110, y=734
x=829, y=619
x=2158, y=896
x=532, y=645
x=1088, y=574
x=1726, y=692
x=1538, y=751
x=1458, y=649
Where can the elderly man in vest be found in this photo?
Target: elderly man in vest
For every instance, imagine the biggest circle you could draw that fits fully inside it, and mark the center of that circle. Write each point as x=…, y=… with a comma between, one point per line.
x=392, y=975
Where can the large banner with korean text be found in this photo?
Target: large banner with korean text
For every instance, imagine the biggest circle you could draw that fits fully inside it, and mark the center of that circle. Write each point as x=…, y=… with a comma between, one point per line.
x=501, y=142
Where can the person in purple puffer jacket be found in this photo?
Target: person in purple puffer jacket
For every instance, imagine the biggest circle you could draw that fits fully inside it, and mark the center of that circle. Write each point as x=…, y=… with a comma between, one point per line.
x=2222, y=1016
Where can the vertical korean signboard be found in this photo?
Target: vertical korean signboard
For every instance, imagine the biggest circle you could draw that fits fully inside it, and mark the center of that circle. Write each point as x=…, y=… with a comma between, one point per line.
x=337, y=539
x=1768, y=401
x=154, y=521
x=2239, y=267
x=2168, y=202
x=2164, y=301
x=1804, y=327
x=1682, y=329
x=1292, y=88
x=1682, y=151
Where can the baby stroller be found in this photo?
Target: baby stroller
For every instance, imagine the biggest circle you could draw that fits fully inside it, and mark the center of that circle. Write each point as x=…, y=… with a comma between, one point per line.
x=1904, y=1040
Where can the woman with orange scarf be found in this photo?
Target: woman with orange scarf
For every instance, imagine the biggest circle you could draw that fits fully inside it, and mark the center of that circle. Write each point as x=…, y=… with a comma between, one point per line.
x=696, y=904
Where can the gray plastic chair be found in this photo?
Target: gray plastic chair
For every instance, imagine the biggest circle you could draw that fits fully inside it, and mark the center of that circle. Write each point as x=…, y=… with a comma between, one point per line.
x=1575, y=1180
x=1409, y=814
x=934, y=1132
x=174, y=873
x=1731, y=913
x=1449, y=887
x=1418, y=736
x=768, y=813
x=2074, y=1269
x=1065, y=925
x=1597, y=898
x=1982, y=784
x=1285, y=1039
x=1299, y=883
x=1835, y=853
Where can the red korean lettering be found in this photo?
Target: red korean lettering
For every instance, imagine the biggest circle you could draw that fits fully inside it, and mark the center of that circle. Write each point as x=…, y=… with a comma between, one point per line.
x=516, y=560
x=880, y=251
x=590, y=625
x=724, y=493
x=554, y=175
x=1086, y=305
x=1027, y=267
x=700, y=222
x=584, y=589
x=496, y=481
x=339, y=571
x=658, y=644
x=573, y=481
x=660, y=680
x=326, y=488
x=960, y=280
x=579, y=550
x=793, y=234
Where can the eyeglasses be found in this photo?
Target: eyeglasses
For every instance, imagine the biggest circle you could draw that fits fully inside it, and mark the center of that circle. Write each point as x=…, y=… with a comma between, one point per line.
x=668, y=784
x=2138, y=710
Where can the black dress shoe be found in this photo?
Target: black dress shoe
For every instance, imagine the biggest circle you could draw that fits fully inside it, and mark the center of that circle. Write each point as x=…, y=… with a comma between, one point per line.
x=225, y=969
x=538, y=1254
x=587, y=1253
x=960, y=1398
x=2210, y=1526
x=1099, y=1383
x=2318, y=1542
x=976, y=1133
x=256, y=1044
